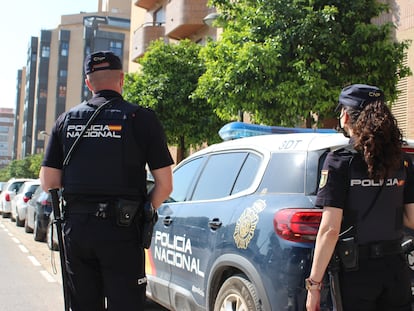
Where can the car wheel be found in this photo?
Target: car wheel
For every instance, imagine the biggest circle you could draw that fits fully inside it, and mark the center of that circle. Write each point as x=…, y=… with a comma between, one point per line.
x=49, y=238
x=6, y=215
x=27, y=229
x=19, y=222
x=38, y=235
x=237, y=294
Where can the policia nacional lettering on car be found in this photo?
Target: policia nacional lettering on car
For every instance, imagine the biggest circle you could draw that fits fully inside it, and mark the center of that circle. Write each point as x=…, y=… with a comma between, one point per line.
x=176, y=251
x=95, y=130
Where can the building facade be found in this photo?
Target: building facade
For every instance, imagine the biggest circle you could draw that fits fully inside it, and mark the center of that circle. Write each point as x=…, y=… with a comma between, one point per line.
x=6, y=135
x=54, y=78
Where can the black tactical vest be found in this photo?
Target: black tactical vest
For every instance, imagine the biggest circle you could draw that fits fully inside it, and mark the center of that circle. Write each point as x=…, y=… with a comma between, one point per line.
x=107, y=160
x=383, y=221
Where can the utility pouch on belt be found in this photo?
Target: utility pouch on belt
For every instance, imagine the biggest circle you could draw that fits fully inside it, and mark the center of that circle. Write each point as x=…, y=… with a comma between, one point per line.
x=150, y=218
x=125, y=211
x=348, y=253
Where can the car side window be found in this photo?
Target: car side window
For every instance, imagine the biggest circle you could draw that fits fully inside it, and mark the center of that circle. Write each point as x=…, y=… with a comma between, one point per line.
x=219, y=175
x=285, y=173
x=183, y=178
x=247, y=173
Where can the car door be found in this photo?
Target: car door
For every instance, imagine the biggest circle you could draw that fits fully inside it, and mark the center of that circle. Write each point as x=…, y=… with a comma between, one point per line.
x=198, y=224
x=158, y=261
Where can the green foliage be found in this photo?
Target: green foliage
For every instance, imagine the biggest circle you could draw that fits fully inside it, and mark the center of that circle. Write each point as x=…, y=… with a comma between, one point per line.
x=283, y=59
x=169, y=75
x=28, y=167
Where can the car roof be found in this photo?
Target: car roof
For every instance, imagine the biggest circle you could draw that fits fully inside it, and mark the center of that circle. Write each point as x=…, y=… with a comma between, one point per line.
x=281, y=143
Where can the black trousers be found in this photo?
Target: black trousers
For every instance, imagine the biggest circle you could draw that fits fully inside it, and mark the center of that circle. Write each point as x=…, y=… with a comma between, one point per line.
x=105, y=263
x=379, y=284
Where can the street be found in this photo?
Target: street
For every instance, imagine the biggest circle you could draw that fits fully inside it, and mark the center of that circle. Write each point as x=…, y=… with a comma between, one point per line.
x=30, y=273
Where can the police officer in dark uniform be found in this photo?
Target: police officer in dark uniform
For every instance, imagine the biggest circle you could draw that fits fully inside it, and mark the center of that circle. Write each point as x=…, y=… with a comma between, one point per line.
x=103, y=182
x=366, y=191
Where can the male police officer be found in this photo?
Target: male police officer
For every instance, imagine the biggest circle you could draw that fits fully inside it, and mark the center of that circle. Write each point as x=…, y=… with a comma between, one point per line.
x=103, y=183
x=366, y=192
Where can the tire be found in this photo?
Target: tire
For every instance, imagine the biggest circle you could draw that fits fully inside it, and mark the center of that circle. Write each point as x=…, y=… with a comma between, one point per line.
x=38, y=235
x=6, y=215
x=27, y=229
x=19, y=222
x=237, y=294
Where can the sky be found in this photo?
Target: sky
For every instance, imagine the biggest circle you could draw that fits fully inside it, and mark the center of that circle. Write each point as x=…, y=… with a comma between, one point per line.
x=21, y=20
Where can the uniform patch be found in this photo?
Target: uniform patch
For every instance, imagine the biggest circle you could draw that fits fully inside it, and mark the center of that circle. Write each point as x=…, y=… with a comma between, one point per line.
x=324, y=178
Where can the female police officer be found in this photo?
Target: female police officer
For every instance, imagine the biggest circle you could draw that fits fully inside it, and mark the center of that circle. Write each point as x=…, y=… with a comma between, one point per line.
x=366, y=190
x=105, y=175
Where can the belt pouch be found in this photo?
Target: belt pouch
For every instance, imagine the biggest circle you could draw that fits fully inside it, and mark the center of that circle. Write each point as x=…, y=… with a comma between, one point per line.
x=348, y=253
x=125, y=212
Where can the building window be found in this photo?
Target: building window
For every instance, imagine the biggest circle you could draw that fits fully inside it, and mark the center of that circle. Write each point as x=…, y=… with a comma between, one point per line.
x=43, y=93
x=116, y=47
x=45, y=51
x=159, y=16
x=63, y=73
x=62, y=91
x=64, y=49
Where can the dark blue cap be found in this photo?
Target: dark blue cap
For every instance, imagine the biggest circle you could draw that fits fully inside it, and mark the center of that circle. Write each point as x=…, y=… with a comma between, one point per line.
x=357, y=96
x=102, y=60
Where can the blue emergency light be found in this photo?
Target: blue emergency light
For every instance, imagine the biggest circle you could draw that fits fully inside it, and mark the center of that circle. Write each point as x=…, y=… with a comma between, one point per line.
x=234, y=130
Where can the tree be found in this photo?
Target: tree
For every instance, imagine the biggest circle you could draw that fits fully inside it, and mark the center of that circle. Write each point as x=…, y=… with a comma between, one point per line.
x=169, y=75
x=28, y=167
x=281, y=60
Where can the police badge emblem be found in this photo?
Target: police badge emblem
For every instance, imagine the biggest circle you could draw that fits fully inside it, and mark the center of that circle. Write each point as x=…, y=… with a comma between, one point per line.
x=324, y=178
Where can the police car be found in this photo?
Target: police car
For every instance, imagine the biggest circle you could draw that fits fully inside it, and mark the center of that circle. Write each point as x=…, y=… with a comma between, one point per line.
x=238, y=230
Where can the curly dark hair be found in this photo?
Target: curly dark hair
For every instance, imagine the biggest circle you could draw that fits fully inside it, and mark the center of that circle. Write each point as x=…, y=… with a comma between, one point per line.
x=377, y=137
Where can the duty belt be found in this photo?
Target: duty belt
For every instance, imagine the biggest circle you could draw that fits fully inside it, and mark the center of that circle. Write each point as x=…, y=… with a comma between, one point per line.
x=99, y=209
x=380, y=249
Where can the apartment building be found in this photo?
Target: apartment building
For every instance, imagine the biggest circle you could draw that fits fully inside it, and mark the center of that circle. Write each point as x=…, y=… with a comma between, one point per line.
x=54, y=78
x=6, y=135
x=170, y=20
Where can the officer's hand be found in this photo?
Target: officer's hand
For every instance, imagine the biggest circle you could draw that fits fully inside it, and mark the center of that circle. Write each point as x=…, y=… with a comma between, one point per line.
x=150, y=214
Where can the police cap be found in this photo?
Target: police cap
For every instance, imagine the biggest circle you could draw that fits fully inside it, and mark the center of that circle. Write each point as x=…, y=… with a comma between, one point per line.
x=357, y=96
x=102, y=60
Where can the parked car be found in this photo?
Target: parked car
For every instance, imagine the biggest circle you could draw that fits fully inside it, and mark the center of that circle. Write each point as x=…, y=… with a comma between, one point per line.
x=239, y=228
x=7, y=195
x=19, y=202
x=39, y=209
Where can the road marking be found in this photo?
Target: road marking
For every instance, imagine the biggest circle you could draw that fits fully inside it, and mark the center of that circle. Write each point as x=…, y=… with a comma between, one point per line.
x=23, y=248
x=34, y=261
x=47, y=276
x=16, y=240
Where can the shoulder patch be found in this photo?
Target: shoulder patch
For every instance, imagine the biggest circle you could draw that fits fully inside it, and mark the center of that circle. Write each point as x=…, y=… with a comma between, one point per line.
x=324, y=178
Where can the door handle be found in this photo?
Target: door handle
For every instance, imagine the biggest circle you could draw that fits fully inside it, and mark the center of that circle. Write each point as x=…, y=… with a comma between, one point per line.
x=167, y=220
x=215, y=223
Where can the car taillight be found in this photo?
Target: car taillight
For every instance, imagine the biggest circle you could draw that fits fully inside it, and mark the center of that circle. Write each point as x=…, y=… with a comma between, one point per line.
x=298, y=225
x=7, y=197
x=26, y=199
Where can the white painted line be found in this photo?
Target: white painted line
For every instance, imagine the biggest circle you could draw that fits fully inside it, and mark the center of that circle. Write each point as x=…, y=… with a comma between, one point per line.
x=34, y=261
x=16, y=240
x=10, y=234
x=23, y=248
x=47, y=276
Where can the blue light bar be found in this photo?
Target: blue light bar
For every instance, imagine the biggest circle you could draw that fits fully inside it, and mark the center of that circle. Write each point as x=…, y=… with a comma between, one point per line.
x=234, y=130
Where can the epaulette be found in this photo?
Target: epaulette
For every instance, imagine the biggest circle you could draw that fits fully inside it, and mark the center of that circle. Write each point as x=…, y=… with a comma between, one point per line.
x=345, y=150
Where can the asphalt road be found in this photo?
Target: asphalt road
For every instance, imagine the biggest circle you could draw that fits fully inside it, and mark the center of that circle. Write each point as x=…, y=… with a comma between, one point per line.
x=30, y=273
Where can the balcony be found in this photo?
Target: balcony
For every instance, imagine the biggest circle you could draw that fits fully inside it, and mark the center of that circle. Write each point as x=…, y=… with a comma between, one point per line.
x=185, y=18
x=143, y=36
x=146, y=4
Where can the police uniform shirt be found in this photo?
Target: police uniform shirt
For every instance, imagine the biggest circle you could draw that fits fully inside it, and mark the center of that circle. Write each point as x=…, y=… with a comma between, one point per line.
x=346, y=185
x=147, y=131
